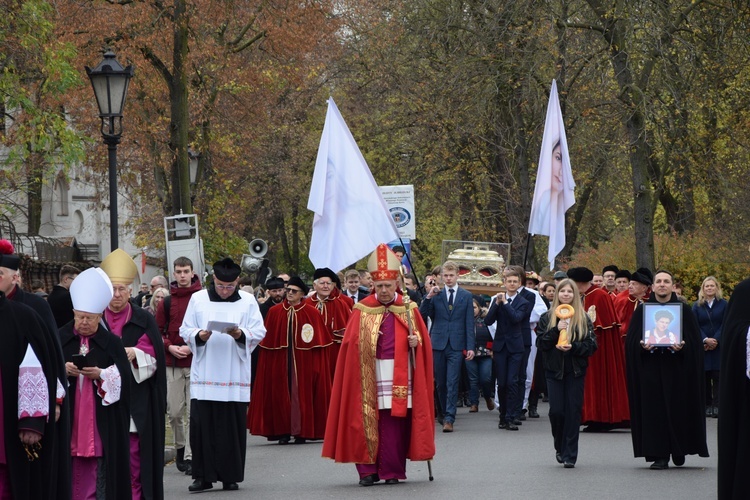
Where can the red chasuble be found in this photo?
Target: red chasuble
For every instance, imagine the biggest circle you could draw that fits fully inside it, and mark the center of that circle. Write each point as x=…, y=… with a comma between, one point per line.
x=292, y=398
x=352, y=428
x=605, y=396
x=335, y=311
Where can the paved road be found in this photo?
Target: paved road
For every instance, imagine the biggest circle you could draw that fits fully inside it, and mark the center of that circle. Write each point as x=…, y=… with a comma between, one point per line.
x=477, y=461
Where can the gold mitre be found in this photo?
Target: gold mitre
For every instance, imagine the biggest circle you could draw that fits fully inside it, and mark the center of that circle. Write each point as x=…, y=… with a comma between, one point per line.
x=383, y=264
x=120, y=267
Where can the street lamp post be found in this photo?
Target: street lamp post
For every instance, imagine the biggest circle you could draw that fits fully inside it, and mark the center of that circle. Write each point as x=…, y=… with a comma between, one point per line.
x=110, y=82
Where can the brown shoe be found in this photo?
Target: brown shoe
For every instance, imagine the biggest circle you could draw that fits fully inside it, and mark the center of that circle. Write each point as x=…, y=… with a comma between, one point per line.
x=473, y=409
x=490, y=404
x=448, y=427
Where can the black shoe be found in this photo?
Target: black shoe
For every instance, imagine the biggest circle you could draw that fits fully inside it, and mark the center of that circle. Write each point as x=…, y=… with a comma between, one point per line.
x=391, y=481
x=533, y=413
x=200, y=485
x=284, y=440
x=517, y=421
x=569, y=465
x=230, y=486
x=678, y=460
x=189, y=469
x=502, y=424
x=521, y=418
x=299, y=440
x=660, y=464
x=709, y=411
x=179, y=460
x=369, y=480
x=558, y=457
x=715, y=413
x=511, y=427
x=460, y=403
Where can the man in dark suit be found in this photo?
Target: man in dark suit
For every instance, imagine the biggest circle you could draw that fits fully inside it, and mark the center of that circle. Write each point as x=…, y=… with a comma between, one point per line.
x=510, y=310
x=351, y=286
x=452, y=333
x=533, y=313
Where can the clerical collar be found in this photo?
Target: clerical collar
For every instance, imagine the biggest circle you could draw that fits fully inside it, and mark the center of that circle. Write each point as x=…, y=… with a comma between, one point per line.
x=386, y=304
x=215, y=297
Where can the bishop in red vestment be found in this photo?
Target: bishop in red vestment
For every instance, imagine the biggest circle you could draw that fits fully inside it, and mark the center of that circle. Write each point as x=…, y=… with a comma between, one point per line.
x=293, y=383
x=605, y=396
x=382, y=409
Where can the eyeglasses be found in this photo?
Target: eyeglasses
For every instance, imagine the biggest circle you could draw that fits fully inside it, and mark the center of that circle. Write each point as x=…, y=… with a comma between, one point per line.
x=325, y=283
x=225, y=287
x=293, y=290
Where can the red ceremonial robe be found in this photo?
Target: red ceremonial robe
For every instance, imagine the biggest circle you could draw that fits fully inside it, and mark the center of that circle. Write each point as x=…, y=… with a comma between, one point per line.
x=605, y=395
x=352, y=428
x=292, y=398
x=335, y=311
x=625, y=305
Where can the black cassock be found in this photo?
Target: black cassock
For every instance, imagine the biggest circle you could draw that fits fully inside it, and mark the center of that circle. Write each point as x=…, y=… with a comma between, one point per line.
x=666, y=391
x=60, y=474
x=113, y=421
x=148, y=404
x=21, y=327
x=734, y=399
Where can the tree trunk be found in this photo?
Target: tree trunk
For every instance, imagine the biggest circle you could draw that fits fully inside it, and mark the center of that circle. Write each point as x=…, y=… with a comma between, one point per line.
x=34, y=180
x=180, y=115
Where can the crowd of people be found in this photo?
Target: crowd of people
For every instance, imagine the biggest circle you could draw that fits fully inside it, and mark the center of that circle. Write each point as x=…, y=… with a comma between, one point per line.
x=366, y=361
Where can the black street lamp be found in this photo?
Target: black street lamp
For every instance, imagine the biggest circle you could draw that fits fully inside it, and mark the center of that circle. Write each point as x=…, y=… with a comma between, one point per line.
x=110, y=82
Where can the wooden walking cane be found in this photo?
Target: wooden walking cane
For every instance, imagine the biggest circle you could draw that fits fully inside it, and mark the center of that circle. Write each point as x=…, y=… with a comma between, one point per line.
x=412, y=352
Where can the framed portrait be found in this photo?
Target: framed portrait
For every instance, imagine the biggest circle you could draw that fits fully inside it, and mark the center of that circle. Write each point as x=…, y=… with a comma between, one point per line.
x=662, y=324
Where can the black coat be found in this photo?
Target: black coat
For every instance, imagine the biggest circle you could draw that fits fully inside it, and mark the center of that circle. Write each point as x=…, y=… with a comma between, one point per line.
x=148, y=404
x=734, y=399
x=20, y=328
x=113, y=421
x=666, y=391
x=61, y=304
x=556, y=360
x=61, y=473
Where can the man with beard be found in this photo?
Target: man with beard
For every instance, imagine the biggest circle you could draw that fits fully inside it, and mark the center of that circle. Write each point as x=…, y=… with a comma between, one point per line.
x=9, y=279
x=222, y=326
x=605, y=400
x=169, y=315
x=385, y=366
x=99, y=379
x=294, y=375
x=275, y=291
x=275, y=295
x=145, y=350
x=627, y=302
x=666, y=387
x=334, y=308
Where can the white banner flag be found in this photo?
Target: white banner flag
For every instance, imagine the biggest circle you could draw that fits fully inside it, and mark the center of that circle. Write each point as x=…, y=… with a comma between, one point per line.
x=553, y=194
x=351, y=217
